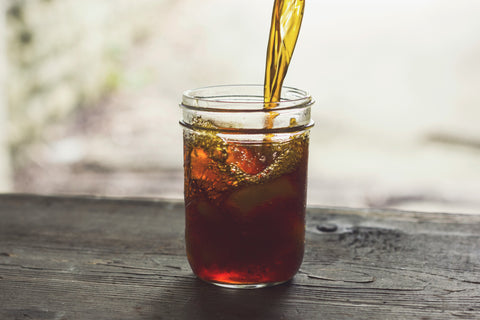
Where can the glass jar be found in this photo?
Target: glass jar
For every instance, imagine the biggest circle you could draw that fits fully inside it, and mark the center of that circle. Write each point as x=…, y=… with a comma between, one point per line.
x=245, y=165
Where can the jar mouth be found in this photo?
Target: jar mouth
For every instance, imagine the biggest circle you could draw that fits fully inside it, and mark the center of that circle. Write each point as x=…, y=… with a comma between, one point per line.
x=239, y=109
x=243, y=98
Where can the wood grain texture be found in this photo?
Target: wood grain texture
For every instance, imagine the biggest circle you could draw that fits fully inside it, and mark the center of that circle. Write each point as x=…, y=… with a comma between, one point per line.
x=88, y=258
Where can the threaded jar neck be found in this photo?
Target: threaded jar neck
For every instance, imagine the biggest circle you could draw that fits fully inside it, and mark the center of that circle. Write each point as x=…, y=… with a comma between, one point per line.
x=241, y=108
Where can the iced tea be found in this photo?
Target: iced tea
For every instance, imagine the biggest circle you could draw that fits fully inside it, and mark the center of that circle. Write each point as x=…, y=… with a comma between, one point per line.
x=245, y=207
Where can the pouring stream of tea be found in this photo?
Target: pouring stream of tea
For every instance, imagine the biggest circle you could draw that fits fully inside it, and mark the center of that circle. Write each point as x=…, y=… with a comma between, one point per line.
x=286, y=21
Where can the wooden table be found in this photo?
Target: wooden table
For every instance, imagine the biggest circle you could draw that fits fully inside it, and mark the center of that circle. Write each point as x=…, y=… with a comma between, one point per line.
x=89, y=258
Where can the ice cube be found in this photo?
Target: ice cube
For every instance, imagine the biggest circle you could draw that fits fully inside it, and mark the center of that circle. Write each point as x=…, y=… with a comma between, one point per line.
x=247, y=159
x=247, y=198
x=206, y=173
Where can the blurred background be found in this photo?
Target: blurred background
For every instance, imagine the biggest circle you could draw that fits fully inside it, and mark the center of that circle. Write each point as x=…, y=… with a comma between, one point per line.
x=90, y=92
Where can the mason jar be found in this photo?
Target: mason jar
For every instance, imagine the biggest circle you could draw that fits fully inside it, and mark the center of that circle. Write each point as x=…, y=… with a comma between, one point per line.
x=245, y=165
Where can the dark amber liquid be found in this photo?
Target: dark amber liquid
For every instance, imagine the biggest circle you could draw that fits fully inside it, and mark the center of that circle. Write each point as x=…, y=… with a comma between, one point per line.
x=240, y=231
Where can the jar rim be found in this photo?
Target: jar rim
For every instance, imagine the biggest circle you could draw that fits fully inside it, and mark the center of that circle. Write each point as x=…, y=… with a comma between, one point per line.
x=242, y=98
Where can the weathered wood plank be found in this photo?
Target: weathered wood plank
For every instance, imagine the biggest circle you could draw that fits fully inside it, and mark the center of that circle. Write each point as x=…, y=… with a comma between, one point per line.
x=86, y=258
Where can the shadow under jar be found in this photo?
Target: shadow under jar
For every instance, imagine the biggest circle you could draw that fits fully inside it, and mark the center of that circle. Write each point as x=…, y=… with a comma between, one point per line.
x=245, y=183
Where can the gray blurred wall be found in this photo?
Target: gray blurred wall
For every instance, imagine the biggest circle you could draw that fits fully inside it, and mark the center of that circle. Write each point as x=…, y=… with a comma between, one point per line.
x=65, y=54
x=4, y=155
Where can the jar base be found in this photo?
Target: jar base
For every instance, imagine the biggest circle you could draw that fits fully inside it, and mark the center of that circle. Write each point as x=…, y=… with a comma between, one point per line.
x=245, y=285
